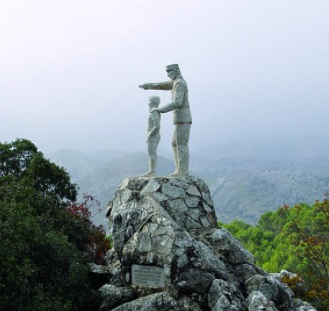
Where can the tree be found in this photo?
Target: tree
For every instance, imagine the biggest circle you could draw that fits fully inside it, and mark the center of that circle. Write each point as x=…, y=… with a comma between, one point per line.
x=44, y=247
x=97, y=242
x=309, y=233
x=22, y=160
x=294, y=239
x=40, y=268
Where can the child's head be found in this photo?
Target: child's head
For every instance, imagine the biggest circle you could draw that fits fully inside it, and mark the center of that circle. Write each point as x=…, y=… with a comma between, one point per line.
x=154, y=101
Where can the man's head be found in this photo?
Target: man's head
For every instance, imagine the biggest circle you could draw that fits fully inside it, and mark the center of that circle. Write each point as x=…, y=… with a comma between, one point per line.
x=173, y=71
x=154, y=101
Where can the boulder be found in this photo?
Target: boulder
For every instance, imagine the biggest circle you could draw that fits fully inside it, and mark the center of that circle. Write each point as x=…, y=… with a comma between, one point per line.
x=171, y=255
x=114, y=296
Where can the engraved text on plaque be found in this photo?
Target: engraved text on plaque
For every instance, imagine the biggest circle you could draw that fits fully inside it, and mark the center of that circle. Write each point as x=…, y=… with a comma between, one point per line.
x=147, y=275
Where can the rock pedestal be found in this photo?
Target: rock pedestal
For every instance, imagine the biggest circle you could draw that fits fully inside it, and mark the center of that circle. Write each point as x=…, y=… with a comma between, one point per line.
x=169, y=254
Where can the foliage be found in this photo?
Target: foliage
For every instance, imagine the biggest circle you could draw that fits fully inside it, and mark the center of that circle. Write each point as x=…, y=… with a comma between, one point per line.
x=294, y=239
x=22, y=160
x=45, y=244
x=97, y=242
x=309, y=233
x=40, y=268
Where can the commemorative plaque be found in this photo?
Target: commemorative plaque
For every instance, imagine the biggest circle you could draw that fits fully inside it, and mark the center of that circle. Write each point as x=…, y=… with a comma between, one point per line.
x=147, y=276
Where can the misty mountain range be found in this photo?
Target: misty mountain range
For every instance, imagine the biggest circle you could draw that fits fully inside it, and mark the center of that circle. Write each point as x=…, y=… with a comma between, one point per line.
x=246, y=179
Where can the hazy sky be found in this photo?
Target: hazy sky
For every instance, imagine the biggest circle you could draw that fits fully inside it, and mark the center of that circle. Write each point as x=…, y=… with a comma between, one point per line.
x=70, y=69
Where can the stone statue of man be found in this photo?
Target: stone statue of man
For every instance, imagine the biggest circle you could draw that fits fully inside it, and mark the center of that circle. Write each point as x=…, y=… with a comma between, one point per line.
x=181, y=116
x=153, y=135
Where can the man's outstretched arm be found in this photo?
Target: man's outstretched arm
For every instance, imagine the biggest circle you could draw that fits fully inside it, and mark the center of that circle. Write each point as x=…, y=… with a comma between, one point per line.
x=157, y=86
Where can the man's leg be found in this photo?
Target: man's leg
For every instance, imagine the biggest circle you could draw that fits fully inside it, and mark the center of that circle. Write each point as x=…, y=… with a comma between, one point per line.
x=183, y=137
x=175, y=152
x=180, y=149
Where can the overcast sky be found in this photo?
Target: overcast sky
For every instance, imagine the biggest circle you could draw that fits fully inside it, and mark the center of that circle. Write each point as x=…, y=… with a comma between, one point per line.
x=70, y=69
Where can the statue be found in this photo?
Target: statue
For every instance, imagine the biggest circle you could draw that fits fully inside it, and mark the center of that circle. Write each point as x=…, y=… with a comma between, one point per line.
x=181, y=116
x=153, y=135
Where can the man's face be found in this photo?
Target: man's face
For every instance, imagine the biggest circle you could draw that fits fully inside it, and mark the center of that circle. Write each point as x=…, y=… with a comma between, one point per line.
x=171, y=74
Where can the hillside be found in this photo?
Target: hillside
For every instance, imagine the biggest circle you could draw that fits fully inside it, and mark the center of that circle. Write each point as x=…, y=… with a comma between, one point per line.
x=249, y=178
x=245, y=179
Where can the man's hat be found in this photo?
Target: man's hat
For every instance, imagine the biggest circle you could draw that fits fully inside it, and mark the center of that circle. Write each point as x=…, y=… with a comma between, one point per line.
x=171, y=67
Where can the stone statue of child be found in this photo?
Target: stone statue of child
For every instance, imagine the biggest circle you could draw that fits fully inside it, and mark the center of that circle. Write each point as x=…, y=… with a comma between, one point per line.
x=153, y=135
x=180, y=107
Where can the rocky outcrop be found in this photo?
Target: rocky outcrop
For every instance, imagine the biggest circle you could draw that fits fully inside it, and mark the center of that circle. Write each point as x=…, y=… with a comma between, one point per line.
x=169, y=254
